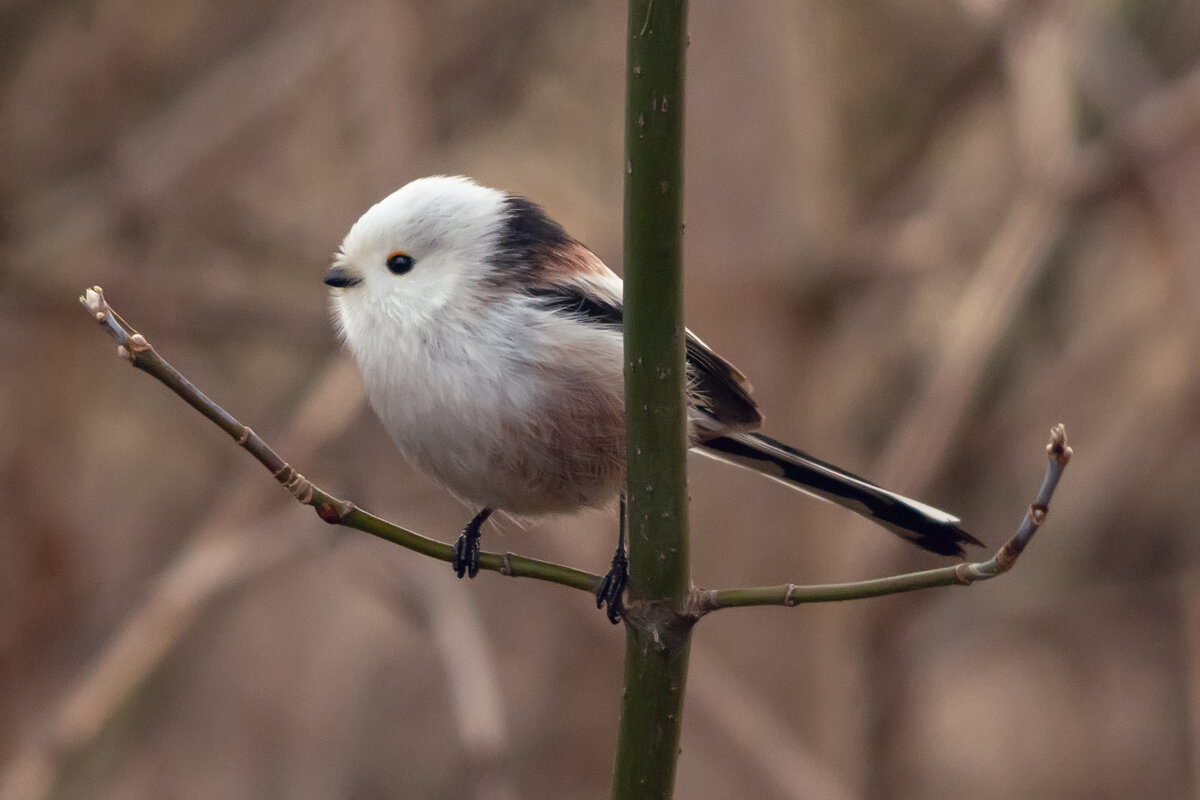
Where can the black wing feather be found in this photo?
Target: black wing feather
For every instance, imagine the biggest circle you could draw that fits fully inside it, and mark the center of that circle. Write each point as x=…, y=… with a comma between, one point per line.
x=718, y=388
x=572, y=300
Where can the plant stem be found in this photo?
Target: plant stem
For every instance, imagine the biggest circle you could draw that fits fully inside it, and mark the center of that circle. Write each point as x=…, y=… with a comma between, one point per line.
x=658, y=630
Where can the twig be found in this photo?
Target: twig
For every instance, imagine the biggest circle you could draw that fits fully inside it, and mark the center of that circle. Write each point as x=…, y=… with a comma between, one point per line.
x=789, y=594
x=134, y=347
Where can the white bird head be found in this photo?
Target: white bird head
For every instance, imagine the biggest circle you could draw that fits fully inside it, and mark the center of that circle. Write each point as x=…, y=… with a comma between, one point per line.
x=417, y=249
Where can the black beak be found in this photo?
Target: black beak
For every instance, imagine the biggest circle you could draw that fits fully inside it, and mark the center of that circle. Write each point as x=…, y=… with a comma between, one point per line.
x=340, y=278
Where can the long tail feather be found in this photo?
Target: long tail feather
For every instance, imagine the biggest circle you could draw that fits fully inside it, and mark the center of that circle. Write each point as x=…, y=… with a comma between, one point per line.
x=923, y=525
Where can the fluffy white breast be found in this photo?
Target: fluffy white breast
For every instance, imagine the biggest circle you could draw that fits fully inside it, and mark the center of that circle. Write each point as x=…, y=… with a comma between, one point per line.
x=421, y=337
x=480, y=386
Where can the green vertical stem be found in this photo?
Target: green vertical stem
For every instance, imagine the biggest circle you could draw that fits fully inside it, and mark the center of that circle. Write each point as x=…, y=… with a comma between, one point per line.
x=658, y=633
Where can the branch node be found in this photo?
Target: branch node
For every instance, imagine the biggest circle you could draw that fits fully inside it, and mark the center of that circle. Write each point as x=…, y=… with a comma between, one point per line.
x=789, y=595
x=296, y=484
x=124, y=354
x=506, y=567
x=1007, y=555
x=964, y=574
x=299, y=487
x=699, y=602
x=244, y=436
x=1037, y=514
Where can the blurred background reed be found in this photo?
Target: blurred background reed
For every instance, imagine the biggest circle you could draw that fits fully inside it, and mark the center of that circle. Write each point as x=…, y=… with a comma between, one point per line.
x=926, y=229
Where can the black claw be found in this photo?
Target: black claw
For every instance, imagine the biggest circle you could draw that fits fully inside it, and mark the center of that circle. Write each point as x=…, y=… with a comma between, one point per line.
x=462, y=555
x=473, y=558
x=613, y=586
x=466, y=549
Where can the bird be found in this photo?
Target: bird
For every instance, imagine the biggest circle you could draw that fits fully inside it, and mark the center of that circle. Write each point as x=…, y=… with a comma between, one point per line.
x=490, y=344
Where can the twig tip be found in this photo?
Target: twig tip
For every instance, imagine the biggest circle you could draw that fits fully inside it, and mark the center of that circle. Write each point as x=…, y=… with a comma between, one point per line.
x=1058, y=449
x=93, y=300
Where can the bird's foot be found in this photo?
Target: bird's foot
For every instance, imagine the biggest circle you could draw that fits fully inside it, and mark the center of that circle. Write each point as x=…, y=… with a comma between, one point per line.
x=613, y=586
x=466, y=553
x=466, y=549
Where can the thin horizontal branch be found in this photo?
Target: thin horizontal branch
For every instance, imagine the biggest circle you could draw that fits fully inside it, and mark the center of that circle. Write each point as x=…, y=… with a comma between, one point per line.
x=790, y=594
x=134, y=347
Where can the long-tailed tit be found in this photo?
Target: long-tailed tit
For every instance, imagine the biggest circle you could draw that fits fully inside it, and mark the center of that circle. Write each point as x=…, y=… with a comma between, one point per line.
x=490, y=343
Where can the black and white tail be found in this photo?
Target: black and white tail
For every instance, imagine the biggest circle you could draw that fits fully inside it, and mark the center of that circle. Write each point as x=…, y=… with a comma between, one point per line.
x=924, y=526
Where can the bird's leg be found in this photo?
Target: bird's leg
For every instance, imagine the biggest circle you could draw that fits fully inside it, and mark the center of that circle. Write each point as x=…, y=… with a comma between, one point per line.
x=613, y=585
x=466, y=549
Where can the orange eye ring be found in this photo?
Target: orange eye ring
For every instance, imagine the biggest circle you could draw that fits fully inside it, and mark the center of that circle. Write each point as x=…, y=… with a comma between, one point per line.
x=400, y=262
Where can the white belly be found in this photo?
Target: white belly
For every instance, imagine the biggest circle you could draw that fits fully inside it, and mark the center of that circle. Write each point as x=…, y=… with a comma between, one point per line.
x=527, y=418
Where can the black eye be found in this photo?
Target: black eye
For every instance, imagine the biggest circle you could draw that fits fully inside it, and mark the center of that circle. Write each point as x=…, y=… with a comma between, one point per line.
x=399, y=263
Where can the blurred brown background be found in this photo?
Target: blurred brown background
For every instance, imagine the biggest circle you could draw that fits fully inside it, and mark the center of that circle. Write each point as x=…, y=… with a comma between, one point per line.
x=927, y=231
